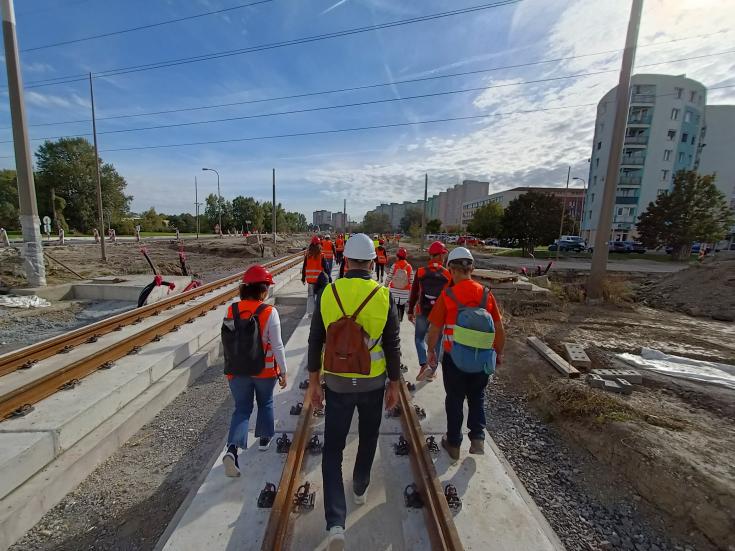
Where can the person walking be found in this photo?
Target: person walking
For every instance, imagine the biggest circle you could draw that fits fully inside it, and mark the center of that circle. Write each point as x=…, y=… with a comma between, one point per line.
x=399, y=281
x=314, y=264
x=339, y=248
x=381, y=260
x=328, y=252
x=474, y=338
x=252, y=377
x=428, y=284
x=356, y=332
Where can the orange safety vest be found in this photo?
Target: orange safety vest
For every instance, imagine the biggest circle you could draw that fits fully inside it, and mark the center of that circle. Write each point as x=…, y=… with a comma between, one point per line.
x=382, y=257
x=328, y=250
x=340, y=243
x=469, y=293
x=313, y=268
x=246, y=309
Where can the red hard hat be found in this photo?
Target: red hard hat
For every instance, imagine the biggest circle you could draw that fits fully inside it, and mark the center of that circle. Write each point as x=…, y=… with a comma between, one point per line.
x=257, y=274
x=381, y=241
x=315, y=240
x=402, y=253
x=437, y=247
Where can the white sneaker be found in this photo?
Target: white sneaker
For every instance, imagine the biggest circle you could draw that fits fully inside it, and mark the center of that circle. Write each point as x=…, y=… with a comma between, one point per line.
x=360, y=500
x=336, y=540
x=231, y=468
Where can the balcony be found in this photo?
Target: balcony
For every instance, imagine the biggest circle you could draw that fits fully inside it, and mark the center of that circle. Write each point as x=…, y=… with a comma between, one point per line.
x=643, y=98
x=636, y=140
x=626, y=200
x=639, y=119
x=637, y=160
x=624, y=219
x=629, y=180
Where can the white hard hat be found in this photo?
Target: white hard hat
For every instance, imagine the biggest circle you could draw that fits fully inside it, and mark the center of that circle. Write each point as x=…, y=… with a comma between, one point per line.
x=360, y=247
x=460, y=253
x=327, y=237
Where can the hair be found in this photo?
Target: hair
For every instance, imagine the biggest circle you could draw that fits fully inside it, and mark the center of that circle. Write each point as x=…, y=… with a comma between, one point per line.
x=435, y=256
x=253, y=291
x=464, y=266
x=356, y=264
x=314, y=250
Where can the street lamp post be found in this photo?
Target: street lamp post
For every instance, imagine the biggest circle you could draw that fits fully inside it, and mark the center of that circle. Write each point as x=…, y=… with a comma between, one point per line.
x=219, y=199
x=581, y=215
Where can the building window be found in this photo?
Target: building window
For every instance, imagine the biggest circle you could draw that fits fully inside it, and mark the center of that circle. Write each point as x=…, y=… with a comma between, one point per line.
x=678, y=92
x=675, y=114
x=694, y=139
x=599, y=145
x=681, y=156
x=594, y=180
x=671, y=135
x=620, y=212
x=589, y=214
x=667, y=154
x=684, y=137
x=692, y=96
x=688, y=116
x=597, y=162
x=592, y=198
x=664, y=175
x=690, y=159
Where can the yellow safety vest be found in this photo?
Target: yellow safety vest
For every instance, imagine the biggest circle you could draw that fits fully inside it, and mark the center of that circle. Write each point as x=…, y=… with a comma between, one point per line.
x=372, y=318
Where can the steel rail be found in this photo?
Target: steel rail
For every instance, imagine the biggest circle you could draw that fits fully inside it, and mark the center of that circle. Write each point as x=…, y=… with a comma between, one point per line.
x=276, y=530
x=29, y=355
x=49, y=384
x=439, y=521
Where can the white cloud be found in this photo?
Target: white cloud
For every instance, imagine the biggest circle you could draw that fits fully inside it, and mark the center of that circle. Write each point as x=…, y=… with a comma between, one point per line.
x=333, y=6
x=50, y=101
x=37, y=67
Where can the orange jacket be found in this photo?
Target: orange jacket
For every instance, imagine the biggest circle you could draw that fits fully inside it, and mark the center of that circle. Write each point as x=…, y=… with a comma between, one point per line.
x=340, y=244
x=313, y=268
x=246, y=309
x=328, y=249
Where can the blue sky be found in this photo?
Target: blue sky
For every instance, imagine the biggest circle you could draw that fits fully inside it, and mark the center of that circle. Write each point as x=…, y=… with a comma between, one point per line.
x=367, y=167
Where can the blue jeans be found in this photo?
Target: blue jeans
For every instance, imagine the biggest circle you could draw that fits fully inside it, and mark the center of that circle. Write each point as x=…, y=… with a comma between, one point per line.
x=243, y=390
x=329, y=262
x=422, y=328
x=338, y=417
x=459, y=385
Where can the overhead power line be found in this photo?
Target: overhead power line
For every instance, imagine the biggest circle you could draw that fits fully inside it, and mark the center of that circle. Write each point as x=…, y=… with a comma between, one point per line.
x=269, y=46
x=144, y=27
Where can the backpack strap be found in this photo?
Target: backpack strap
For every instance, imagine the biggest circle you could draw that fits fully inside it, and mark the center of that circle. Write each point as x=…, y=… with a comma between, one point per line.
x=336, y=297
x=259, y=309
x=485, y=295
x=450, y=293
x=236, y=316
x=364, y=302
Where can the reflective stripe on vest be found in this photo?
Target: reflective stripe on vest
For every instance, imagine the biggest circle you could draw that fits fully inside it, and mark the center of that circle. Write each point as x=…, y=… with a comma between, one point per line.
x=352, y=291
x=469, y=293
x=313, y=268
x=248, y=307
x=327, y=250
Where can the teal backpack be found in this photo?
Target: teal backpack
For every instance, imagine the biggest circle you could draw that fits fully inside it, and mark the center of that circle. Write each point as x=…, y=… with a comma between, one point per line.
x=474, y=335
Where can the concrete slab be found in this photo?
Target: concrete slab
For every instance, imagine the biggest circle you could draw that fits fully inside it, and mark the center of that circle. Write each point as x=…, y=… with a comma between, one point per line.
x=630, y=375
x=559, y=363
x=577, y=356
x=21, y=455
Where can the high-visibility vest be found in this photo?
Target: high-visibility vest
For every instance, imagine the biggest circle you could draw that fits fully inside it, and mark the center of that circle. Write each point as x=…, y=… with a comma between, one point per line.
x=328, y=249
x=373, y=317
x=469, y=293
x=382, y=256
x=313, y=268
x=246, y=309
x=340, y=243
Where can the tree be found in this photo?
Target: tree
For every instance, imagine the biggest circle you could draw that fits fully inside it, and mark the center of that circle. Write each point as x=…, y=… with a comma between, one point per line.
x=412, y=217
x=150, y=220
x=694, y=210
x=247, y=208
x=296, y=222
x=532, y=219
x=9, y=200
x=487, y=221
x=212, y=212
x=376, y=222
x=433, y=226
x=67, y=167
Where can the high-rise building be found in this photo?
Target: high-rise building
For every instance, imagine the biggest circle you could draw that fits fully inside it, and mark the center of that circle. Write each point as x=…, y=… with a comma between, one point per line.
x=718, y=148
x=338, y=221
x=663, y=135
x=322, y=218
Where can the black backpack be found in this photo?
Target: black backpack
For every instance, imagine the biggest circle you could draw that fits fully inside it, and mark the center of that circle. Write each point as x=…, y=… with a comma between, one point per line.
x=432, y=285
x=243, y=343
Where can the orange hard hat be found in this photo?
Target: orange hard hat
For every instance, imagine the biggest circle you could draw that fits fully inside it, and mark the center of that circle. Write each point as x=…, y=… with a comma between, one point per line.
x=402, y=253
x=437, y=247
x=315, y=240
x=257, y=274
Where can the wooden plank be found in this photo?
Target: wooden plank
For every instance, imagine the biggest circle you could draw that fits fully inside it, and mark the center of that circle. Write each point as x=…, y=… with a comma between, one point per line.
x=577, y=356
x=559, y=363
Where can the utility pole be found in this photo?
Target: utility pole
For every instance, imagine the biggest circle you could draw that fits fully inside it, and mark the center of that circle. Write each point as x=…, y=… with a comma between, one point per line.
x=622, y=103
x=563, y=211
x=274, y=212
x=99, y=180
x=344, y=212
x=196, y=204
x=30, y=223
x=423, y=213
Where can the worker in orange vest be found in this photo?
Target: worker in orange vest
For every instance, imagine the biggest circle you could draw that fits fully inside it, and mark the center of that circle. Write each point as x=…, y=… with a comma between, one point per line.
x=380, y=260
x=339, y=248
x=314, y=265
x=328, y=252
x=399, y=281
x=245, y=386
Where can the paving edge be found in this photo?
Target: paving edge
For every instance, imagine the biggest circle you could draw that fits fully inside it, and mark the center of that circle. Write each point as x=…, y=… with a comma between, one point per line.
x=26, y=505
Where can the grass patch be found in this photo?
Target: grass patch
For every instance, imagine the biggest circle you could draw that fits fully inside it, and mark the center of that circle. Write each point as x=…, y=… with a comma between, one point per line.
x=544, y=254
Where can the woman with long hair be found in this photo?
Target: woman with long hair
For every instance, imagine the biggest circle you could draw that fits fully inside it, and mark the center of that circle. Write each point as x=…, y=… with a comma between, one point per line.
x=314, y=265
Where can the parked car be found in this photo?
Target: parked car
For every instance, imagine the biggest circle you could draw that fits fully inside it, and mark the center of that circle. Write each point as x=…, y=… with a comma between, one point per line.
x=637, y=247
x=492, y=242
x=568, y=246
x=452, y=239
x=468, y=240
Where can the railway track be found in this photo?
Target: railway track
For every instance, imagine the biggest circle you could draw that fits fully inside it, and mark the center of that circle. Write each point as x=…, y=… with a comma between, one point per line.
x=437, y=515
x=20, y=399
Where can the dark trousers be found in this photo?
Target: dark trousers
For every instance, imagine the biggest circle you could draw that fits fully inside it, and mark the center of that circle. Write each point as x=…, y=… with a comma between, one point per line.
x=379, y=271
x=338, y=257
x=459, y=385
x=401, y=307
x=338, y=416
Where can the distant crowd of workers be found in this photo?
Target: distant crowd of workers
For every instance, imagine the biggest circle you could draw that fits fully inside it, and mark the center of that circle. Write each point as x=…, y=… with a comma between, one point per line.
x=354, y=355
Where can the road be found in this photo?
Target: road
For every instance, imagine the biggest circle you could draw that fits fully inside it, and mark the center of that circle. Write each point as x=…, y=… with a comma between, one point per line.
x=632, y=265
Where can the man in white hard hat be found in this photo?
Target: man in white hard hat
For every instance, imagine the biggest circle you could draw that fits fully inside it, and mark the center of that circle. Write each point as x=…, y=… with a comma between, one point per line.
x=473, y=344
x=355, y=373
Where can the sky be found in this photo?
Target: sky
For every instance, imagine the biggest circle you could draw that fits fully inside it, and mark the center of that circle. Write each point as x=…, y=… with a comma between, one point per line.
x=511, y=132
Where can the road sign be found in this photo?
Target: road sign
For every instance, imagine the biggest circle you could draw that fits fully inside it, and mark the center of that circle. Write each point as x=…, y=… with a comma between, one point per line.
x=46, y=220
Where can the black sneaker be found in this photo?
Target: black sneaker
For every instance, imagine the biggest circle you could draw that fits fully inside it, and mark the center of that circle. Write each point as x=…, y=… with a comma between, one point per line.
x=232, y=469
x=265, y=442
